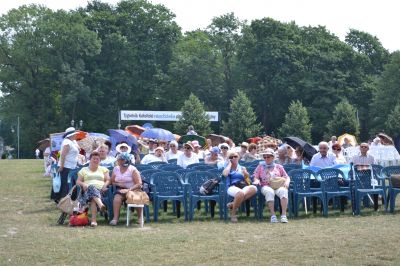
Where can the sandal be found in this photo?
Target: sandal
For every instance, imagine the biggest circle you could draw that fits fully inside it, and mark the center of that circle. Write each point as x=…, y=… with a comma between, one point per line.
x=93, y=224
x=230, y=205
x=103, y=208
x=113, y=222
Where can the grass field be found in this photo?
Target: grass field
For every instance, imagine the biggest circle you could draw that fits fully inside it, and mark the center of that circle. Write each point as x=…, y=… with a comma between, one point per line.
x=29, y=235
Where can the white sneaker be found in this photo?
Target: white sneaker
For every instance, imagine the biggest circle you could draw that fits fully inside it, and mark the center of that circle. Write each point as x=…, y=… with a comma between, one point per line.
x=274, y=219
x=284, y=219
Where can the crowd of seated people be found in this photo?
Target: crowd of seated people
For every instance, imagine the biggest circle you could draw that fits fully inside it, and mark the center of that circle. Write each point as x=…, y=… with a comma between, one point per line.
x=94, y=177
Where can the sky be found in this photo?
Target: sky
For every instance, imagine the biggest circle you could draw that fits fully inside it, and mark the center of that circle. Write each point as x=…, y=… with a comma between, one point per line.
x=379, y=18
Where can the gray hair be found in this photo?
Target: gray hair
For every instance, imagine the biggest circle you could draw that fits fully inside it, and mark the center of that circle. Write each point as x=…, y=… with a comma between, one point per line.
x=323, y=143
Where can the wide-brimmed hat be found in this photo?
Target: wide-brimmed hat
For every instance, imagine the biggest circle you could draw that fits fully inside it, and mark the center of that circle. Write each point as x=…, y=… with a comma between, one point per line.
x=119, y=146
x=159, y=148
x=188, y=144
x=268, y=151
x=70, y=132
x=195, y=144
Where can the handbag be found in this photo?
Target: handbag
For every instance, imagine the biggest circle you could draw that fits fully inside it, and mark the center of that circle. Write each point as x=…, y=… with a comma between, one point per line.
x=277, y=182
x=208, y=186
x=240, y=184
x=70, y=201
x=395, y=180
x=137, y=197
x=56, y=182
x=79, y=219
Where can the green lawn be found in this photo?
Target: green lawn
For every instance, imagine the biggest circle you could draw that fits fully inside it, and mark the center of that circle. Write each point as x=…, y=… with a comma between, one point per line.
x=29, y=235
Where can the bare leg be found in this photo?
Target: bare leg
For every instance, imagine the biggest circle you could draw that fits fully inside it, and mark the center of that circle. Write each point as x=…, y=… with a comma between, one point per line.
x=284, y=203
x=98, y=202
x=250, y=193
x=117, y=202
x=93, y=209
x=271, y=207
x=139, y=213
x=239, y=197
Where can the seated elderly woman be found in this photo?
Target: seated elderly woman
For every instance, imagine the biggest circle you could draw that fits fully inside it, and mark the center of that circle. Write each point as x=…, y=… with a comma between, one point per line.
x=106, y=159
x=237, y=180
x=283, y=157
x=251, y=156
x=157, y=156
x=264, y=175
x=213, y=158
x=188, y=157
x=337, y=151
x=93, y=180
x=300, y=157
x=125, y=177
x=173, y=152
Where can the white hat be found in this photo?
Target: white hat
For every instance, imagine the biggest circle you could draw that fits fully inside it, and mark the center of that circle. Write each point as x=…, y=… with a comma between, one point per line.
x=268, y=151
x=69, y=132
x=159, y=148
x=223, y=145
x=195, y=143
x=119, y=146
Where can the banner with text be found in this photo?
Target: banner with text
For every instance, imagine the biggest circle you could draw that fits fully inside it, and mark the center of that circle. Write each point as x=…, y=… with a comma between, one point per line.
x=160, y=115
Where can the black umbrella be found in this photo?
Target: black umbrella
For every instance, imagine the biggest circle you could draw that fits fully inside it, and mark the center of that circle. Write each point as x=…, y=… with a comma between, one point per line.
x=397, y=143
x=295, y=142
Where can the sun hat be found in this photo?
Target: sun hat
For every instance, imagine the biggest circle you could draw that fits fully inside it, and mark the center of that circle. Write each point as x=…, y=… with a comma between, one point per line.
x=159, y=148
x=125, y=157
x=268, y=151
x=223, y=145
x=153, y=140
x=174, y=143
x=195, y=144
x=69, y=132
x=215, y=150
x=244, y=144
x=188, y=144
x=119, y=146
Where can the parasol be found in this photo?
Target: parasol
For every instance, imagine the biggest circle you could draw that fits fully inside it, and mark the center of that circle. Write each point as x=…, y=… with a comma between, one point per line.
x=295, y=142
x=43, y=144
x=158, y=133
x=217, y=139
x=385, y=139
x=119, y=135
x=135, y=130
x=351, y=138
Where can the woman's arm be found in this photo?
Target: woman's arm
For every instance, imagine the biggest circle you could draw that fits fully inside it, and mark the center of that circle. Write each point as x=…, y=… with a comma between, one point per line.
x=81, y=182
x=256, y=180
x=227, y=169
x=64, y=153
x=106, y=181
x=137, y=180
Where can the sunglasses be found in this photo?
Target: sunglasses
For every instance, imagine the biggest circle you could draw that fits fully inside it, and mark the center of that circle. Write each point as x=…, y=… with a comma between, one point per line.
x=224, y=148
x=187, y=148
x=172, y=146
x=268, y=156
x=364, y=147
x=235, y=156
x=336, y=149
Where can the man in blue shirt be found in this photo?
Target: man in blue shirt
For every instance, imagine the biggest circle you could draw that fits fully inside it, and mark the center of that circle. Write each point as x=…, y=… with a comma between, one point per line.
x=323, y=159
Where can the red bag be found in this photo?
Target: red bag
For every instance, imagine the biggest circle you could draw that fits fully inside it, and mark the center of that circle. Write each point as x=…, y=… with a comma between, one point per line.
x=80, y=219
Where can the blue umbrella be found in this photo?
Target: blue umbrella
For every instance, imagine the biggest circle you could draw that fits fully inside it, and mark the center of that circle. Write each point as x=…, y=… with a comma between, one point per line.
x=147, y=125
x=158, y=133
x=99, y=135
x=119, y=135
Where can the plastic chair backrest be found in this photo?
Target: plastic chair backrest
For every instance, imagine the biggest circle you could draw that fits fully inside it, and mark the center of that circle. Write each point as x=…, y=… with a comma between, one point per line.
x=142, y=167
x=146, y=174
x=156, y=165
x=203, y=167
x=300, y=179
x=362, y=178
x=167, y=183
x=330, y=176
x=190, y=166
x=291, y=166
x=197, y=178
x=182, y=173
x=169, y=167
x=172, y=161
x=216, y=172
x=390, y=170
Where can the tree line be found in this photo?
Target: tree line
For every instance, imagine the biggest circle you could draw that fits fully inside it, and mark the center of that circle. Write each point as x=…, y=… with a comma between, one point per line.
x=89, y=63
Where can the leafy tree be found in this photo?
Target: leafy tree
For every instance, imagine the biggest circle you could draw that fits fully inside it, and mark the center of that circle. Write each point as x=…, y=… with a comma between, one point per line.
x=297, y=122
x=387, y=95
x=193, y=113
x=393, y=122
x=241, y=123
x=344, y=120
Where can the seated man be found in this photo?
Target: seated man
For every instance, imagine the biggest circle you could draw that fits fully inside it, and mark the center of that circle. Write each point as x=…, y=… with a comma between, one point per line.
x=157, y=156
x=323, y=159
x=363, y=160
